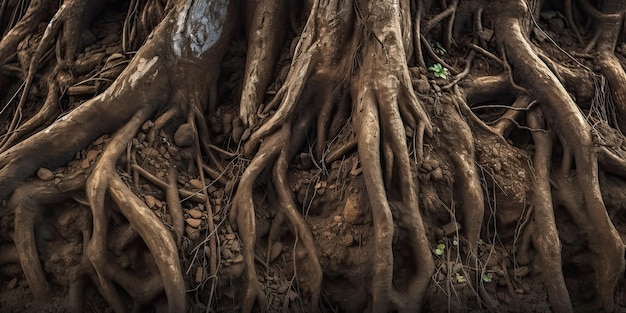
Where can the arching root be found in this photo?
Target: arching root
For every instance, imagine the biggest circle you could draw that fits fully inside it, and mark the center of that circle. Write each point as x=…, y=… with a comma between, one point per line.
x=158, y=239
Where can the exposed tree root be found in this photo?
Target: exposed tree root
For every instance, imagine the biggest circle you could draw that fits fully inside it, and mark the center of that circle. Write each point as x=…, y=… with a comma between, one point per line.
x=573, y=132
x=348, y=80
x=125, y=106
x=265, y=39
x=545, y=235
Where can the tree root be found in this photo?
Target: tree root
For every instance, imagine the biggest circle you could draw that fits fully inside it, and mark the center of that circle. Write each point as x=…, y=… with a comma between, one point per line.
x=265, y=38
x=545, y=235
x=574, y=132
x=381, y=105
x=131, y=100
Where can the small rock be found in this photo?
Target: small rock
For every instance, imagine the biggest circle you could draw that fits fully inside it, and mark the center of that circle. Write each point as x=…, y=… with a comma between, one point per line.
x=346, y=240
x=219, y=194
x=430, y=164
x=150, y=152
x=337, y=218
x=238, y=258
x=199, y=274
x=193, y=222
x=92, y=155
x=227, y=254
x=195, y=213
x=277, y=248
x=84, y=164
x=184, y=136
x=451, y=228
x=150, y=201
x=235, y=246
x=352, y=213
x=230, y=236
x=192, y=233
x=497, y=166
x=45, y=174
x=437, y=174
x=437, y=88
x=196, y=183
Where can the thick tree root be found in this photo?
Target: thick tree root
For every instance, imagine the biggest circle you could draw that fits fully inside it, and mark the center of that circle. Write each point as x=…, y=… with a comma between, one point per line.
x=381, y=105
x=545, y=235
x=242, y=213
x=265, y=39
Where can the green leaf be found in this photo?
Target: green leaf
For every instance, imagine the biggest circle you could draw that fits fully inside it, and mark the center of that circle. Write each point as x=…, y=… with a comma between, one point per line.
x=487, y=277
x=439, y=71
x=440, y=248
x=481, y=242
x=439, y=49
x=436, y=68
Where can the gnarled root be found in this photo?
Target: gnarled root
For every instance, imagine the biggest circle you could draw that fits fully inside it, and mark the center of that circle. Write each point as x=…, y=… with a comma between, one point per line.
x=545, y=236
x=381, y=106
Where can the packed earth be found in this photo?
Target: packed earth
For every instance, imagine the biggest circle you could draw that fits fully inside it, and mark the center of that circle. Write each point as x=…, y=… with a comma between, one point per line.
x=312, y=156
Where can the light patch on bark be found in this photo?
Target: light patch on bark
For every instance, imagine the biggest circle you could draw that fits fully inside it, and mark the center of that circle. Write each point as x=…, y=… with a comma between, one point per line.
x=142, y=68
x=199, y=25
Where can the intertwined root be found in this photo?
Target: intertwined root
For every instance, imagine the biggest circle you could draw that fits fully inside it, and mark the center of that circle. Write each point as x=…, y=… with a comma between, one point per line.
x=575, y=135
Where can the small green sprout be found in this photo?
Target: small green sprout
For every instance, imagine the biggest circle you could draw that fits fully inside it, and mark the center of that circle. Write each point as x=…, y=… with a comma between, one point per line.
x=439, y=71
x=440, y=248
x=487, y=277
x=439, y=49
x=460, y=279
x=481, y=242
x=455, y=241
